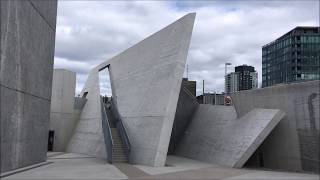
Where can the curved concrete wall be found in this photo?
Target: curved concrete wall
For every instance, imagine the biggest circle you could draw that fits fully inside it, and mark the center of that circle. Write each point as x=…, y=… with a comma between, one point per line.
x=294, y=143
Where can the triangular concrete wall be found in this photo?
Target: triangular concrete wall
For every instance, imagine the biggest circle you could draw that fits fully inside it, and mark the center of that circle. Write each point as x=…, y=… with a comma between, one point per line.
x=145, y=80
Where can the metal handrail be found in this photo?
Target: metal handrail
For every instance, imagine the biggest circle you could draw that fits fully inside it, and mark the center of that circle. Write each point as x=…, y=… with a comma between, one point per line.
x=122, y=130
x=106, y=132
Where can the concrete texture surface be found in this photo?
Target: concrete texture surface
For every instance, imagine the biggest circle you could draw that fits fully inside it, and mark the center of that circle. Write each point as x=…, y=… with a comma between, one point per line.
x=145, y=81
x=72, y=166
x=294, y=143
x=187, y=105
x=88, y=137
x=175, y=164
x=216, y=136
x=153, y=70
x=62, y=120
x=27, y=51
x=77, y=166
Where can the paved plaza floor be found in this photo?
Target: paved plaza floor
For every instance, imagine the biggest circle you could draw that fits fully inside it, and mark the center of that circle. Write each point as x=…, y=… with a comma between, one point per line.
x=76, y=166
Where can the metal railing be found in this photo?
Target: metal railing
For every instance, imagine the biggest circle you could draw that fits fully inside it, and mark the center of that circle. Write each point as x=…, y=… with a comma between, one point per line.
x=122, y=130
x=106, y=132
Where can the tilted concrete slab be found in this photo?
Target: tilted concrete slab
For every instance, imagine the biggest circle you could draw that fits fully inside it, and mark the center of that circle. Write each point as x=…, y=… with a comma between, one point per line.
x=294, y=144
x=215, y=134
x=88, y=136
x=145, y=80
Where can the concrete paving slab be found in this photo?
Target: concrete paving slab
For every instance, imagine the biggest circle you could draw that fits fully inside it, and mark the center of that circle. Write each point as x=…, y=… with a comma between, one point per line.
x=70, y=168
x=130, y=170
x=51, y=154
x=70, y=156
x=264, y=175
x=179, y=168
x=174, y=164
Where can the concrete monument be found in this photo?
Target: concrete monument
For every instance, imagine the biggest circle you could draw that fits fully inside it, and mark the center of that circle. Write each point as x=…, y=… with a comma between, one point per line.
x=145, y=80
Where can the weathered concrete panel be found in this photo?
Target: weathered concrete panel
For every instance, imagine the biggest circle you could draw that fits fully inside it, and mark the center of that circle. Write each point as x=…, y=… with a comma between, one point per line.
x=145, y=80
x=187, y=105
x=294, y=143
x=27, y=49
x=62, y=120
x=27, y=44
x=153, y=70
x=88, y=137
x=216, y=136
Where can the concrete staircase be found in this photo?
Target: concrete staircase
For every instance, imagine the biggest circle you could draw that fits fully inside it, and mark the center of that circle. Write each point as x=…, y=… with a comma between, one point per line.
x=118, y=154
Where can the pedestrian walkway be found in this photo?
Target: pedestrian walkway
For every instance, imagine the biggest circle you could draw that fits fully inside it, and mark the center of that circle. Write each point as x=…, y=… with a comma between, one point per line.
x=78, y=166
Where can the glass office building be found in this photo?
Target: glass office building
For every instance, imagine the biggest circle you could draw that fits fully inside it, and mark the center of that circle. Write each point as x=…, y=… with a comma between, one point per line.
x=293, y=57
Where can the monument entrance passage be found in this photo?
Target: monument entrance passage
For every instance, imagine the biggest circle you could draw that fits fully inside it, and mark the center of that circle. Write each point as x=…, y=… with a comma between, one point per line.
x=115, y=136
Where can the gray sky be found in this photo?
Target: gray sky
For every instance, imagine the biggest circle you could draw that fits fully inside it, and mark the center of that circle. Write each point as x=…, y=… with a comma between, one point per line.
x=90, y=32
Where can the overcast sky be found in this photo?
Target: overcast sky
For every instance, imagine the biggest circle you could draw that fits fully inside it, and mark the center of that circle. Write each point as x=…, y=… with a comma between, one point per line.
x=90, y=32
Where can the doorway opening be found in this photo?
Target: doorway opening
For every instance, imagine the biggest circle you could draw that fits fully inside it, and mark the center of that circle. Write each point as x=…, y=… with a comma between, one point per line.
x=50, y=140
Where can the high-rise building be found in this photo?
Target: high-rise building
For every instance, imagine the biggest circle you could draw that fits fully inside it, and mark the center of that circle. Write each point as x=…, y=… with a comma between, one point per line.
x=231, y=82
x=244, y=78
x=292, y=57
x=247, y=77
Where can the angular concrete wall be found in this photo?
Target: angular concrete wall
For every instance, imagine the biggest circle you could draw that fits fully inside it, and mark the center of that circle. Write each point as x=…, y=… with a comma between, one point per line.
x=216, y=136
x=294, y=143
x=145, y=80
x=62, y=120
x=27, y=50
x=88, y=137
x=187, y=105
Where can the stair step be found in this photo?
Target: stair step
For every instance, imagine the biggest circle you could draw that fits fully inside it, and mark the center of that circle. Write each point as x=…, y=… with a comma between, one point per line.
x=119, y=159
x=119, y=152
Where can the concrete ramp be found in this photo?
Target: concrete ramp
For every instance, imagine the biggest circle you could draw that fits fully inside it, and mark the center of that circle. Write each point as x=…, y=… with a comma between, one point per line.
x=215, y=135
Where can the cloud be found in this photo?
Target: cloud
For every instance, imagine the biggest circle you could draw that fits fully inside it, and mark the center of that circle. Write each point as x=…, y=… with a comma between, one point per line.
x=89, y=32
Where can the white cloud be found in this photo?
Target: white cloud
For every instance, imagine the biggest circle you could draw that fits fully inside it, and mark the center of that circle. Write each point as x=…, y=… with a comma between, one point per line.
x=89, y=32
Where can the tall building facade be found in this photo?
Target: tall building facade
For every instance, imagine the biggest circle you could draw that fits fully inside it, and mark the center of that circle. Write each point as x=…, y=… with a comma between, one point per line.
x=291, y=58
x=247, y=77
x=231, y=82
x=244, y=78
